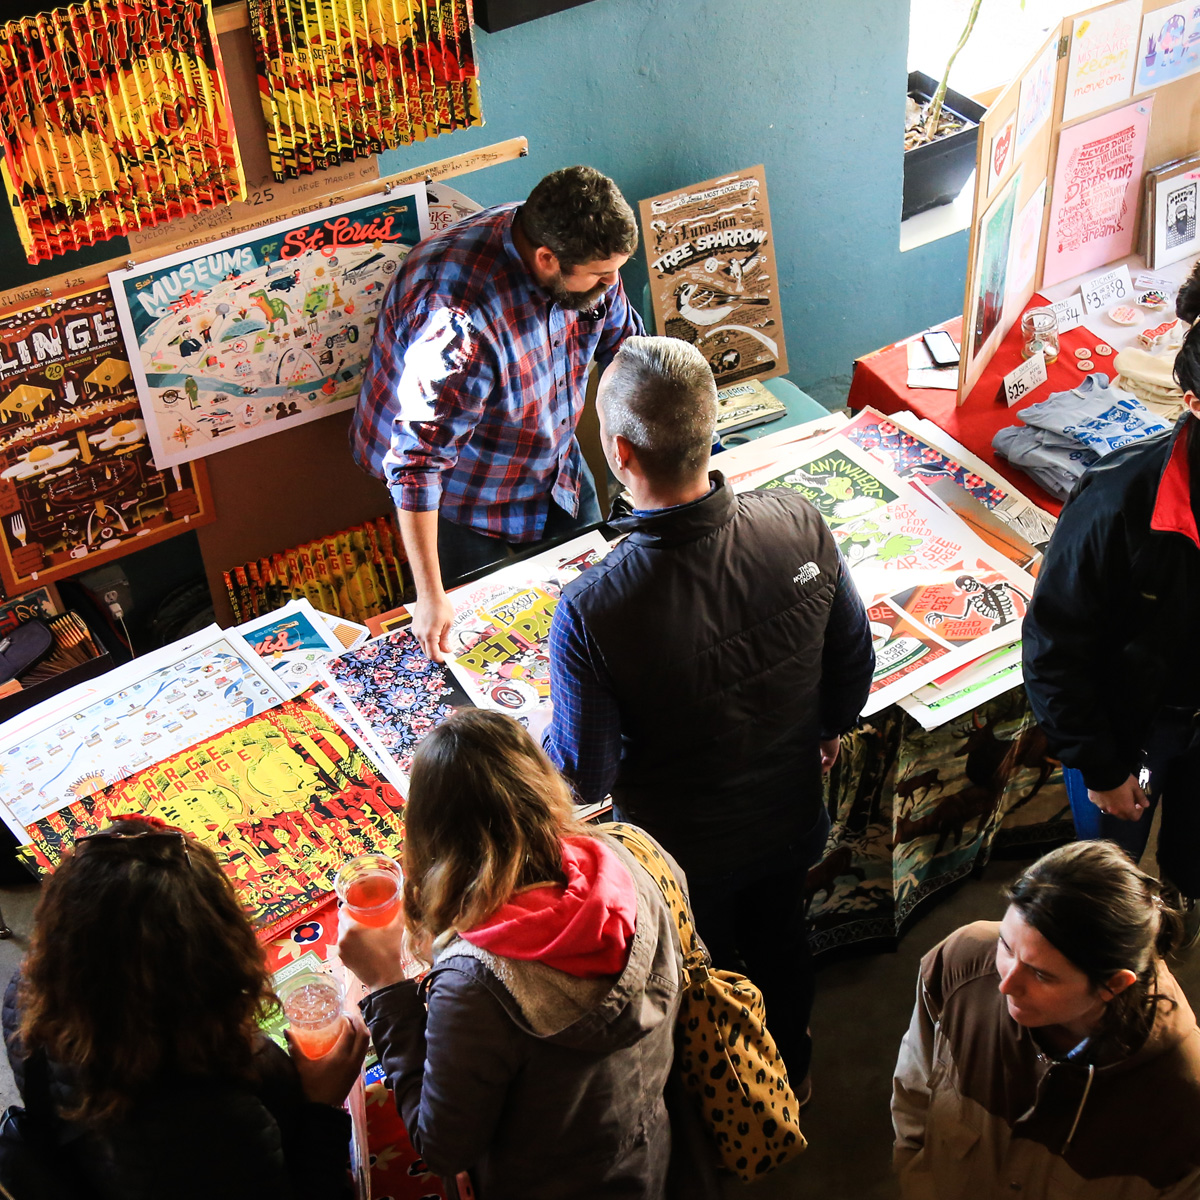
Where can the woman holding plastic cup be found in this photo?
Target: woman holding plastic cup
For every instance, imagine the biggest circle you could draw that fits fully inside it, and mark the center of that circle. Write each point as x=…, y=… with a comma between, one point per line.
x=133, y=1033
x=535, y=1052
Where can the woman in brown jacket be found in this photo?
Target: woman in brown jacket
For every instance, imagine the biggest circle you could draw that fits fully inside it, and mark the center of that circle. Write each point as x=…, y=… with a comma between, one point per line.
x=1052, y=1056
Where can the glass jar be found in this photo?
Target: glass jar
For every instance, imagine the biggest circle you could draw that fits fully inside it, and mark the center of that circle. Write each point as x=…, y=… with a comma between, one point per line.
x=1039, y=331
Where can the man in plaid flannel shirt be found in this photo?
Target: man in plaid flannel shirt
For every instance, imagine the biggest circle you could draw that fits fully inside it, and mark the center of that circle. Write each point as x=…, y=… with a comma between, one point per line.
x=477, y=377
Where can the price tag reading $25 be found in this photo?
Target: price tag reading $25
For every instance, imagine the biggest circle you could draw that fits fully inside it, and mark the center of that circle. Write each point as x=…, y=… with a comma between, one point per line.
x=1029, y=376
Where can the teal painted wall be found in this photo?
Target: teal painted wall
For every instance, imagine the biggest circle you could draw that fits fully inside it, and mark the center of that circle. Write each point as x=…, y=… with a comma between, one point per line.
x=663, y=93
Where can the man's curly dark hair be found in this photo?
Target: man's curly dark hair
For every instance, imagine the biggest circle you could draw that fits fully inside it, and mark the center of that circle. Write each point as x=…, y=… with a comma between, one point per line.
x=580, y=216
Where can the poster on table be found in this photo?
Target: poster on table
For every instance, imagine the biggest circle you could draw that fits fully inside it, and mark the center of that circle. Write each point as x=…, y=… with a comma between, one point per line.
x=1097, y=181
x=101, y=731
x=1104, y=48
x=1037, y=95
x=937, y=595
x=283, y=799
x=991, y=265
x=1170, y=46
x=500, y=632
x=1174, y=200
x=78, y=484
x=964, y=690
x=262, y=331
x=392, y=688
x=293, y=641
x=713, y=278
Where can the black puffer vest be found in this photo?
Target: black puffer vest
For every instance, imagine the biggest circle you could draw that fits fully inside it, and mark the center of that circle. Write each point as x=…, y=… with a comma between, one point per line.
x=710, y=619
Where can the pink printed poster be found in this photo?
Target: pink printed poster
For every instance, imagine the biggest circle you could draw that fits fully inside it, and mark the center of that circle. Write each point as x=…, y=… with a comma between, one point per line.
x=1097, y=180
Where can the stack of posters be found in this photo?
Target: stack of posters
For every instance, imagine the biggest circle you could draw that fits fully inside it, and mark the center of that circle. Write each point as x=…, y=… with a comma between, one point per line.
x=78, y=483
x=99, y=732
x=113, y=117
x=500, y=656
x=339, y=79
x=262, y=331
x=938, y=596
x=295, y=639
x=357, y=573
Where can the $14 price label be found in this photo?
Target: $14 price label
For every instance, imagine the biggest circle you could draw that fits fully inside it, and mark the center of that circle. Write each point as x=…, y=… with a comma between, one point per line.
x=1030, y=375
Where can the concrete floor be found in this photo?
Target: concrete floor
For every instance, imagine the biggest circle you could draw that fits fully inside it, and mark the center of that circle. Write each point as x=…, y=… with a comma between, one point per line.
x=862, y=1010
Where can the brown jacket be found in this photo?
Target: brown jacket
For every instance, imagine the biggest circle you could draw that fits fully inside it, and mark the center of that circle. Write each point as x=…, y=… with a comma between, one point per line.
x=980, y=1113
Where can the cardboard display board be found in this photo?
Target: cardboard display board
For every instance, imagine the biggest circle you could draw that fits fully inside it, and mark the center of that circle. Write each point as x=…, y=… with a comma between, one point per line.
x=1100, y=58
x=712, y=274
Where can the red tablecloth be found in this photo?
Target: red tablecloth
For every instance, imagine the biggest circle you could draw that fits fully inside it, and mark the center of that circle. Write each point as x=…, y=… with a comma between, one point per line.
x=880, y=381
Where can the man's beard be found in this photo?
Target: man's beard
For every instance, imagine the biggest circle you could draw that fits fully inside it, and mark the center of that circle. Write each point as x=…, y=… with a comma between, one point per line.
x=577, y=301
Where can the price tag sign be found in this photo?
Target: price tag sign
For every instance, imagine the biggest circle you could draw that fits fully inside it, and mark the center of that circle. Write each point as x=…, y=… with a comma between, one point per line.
x=1069, y=312
x=1112, y=287
x=1029, y=376
x=1160, y=283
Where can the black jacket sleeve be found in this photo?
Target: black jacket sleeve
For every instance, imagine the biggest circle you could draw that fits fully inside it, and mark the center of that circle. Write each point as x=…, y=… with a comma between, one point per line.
x=847, y=660
x=1073, y=634
x=450, y=1067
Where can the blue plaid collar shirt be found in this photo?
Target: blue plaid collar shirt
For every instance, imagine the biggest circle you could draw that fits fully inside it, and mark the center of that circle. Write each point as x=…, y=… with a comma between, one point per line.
x=476, y=382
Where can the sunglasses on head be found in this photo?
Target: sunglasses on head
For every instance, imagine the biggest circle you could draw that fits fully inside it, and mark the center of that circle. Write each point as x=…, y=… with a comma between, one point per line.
x=148, y=839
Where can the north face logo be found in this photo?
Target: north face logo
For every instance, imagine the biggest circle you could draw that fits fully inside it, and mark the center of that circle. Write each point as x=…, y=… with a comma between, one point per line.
x=807, y=573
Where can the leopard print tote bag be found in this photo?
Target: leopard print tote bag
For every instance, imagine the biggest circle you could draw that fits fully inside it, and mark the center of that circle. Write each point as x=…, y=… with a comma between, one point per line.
x=724, y=1051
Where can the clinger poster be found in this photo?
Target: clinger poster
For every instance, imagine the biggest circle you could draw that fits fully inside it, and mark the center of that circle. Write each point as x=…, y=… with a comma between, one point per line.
x=263, y=330
x=712, y=274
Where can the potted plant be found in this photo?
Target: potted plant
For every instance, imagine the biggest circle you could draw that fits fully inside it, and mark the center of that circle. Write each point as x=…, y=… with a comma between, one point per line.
x=940, y=130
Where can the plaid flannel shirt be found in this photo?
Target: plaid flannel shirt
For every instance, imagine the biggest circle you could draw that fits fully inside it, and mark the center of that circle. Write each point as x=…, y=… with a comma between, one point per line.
x=476, y=382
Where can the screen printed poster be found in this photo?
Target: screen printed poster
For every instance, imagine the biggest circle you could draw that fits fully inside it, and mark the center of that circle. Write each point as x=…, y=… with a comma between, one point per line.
x=713, y=279
x=1097, y=180
x=284, y=799
x=101, y=731
x=78, y=484
x=265, y=330
x=1104, y=47
x=500, y=633
x=396, y=691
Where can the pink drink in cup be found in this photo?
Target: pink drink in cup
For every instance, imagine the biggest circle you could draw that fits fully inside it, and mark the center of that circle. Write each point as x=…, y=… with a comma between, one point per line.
x=312, y=1003
x=369, y=887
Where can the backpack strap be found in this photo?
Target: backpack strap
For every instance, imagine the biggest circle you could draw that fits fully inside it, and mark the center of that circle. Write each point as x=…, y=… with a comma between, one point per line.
x=647, y=852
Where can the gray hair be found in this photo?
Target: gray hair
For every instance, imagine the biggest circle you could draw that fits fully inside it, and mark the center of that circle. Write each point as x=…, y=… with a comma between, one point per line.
x=660, y=396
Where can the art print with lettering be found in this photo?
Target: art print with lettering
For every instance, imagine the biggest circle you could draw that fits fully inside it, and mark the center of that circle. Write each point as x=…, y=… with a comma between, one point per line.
x=500, y=633
x=78, y=485
x=1104, y=48
x=264, y=330
x=713, y=278
x=1097, y=179
x=284, y=799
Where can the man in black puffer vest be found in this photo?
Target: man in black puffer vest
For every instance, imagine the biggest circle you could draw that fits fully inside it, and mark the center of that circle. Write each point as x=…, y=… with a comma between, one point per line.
x=704, y=672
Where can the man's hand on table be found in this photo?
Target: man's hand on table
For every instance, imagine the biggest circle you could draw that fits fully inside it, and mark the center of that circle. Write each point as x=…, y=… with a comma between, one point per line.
x=1126, y=802
x=328, y=1079
x=432, y=613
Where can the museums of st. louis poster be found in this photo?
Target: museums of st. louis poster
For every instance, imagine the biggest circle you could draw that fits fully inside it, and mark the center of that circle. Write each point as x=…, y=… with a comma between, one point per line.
x=263, y=330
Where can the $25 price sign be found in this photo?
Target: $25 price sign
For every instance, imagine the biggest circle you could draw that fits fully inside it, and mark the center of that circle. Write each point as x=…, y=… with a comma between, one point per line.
x=1029, y=376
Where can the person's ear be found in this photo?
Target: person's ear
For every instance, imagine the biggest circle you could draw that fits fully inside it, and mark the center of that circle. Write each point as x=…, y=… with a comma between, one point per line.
x=546, y=260
x=623, y=452
x=1117, y=983
x=1192, y=403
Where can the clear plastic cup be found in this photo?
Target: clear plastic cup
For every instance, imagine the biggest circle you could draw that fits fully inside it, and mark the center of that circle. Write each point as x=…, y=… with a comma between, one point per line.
x=312, y=1003
x=370, y=888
